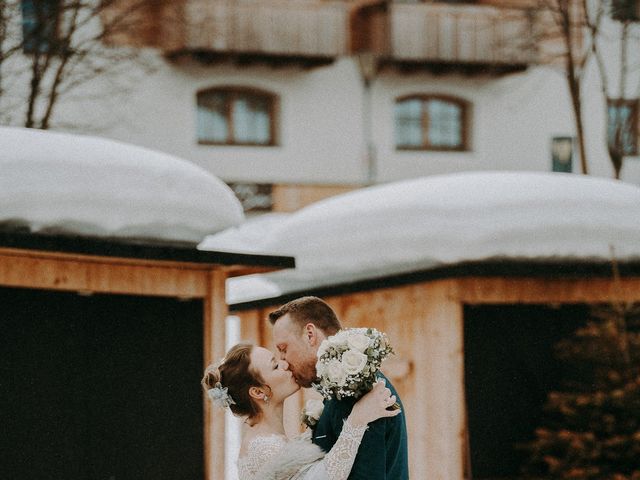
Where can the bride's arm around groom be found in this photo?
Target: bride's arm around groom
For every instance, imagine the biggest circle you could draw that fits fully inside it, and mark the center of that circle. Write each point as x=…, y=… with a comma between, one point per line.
x=383, y=452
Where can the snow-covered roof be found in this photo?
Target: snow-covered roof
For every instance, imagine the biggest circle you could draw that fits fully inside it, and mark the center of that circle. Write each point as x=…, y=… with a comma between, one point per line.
x=429, y=222
x=59, y=182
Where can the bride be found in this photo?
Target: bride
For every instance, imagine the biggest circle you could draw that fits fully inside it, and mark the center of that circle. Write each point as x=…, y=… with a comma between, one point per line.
x=254, y=384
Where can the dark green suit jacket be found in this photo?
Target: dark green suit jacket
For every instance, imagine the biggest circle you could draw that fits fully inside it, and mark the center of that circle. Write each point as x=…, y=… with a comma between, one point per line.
x=383, y=452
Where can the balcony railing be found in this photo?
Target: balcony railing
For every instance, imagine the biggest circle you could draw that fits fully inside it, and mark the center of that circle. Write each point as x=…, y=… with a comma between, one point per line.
x=283, y=28
x=317, y=32
x=460, y=34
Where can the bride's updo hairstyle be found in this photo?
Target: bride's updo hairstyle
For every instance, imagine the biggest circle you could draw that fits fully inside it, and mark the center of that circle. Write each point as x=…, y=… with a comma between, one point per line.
x=237, y=376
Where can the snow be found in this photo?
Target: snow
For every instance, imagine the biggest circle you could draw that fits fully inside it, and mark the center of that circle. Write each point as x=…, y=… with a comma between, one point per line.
x=442, y=220
x=247, y=237
x=59, y=182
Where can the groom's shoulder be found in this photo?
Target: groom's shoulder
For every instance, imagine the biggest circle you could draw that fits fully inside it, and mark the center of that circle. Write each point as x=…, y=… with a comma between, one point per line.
x=335, y=412
x=337, y=407
x=398, y=422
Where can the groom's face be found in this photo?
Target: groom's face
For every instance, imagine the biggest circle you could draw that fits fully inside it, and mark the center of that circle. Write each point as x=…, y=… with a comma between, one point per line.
x=293, y=345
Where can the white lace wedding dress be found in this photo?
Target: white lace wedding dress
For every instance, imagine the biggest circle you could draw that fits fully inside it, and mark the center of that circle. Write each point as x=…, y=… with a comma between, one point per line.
x=274, y=457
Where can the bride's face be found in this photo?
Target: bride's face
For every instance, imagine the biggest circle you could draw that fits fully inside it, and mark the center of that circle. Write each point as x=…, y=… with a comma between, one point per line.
x=275, y=373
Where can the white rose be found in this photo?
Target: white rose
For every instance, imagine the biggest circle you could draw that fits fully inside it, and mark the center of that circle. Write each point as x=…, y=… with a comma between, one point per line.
x=358, y=341
x=313, y=408
x=353, y=361
x=335, y=373
x=339, y=339
x=322, y=349
x=320, y=370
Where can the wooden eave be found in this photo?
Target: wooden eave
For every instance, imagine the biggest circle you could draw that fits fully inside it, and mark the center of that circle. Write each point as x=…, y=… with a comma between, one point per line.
x=143, y=250
x=108, y=265
x=494, y=272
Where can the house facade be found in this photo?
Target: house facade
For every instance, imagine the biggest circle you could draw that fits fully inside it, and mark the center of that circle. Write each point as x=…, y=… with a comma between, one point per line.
x=291, y=101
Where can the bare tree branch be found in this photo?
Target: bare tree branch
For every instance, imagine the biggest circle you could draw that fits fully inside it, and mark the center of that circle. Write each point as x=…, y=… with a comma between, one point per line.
x=562, y=39
x=624, y=39
x=65, y=54
x=67, y=50
x=594, y=29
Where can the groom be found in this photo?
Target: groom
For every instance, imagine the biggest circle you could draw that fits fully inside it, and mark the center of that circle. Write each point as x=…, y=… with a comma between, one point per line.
x=299, y=327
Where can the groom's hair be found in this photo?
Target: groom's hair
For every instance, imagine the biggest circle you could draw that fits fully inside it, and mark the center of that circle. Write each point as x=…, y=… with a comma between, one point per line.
x=305, y=310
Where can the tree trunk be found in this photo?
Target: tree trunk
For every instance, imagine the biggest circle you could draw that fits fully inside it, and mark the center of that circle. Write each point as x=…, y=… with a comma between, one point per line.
x=3, y=36
x=574, y=90
x=573, y=71
x=34, y=92
x=65, y=52
x=616, y=161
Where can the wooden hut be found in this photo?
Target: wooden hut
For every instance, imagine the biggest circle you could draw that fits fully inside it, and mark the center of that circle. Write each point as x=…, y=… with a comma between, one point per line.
x=466, y=397
x=109, y=312
x=103, y=345
x=502, y=269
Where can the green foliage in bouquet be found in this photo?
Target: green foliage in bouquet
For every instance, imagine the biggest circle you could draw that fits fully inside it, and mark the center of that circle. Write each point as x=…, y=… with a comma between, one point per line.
x=592, y=426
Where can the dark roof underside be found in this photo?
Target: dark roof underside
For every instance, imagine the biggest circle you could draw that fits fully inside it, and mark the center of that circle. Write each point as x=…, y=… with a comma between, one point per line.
x=494, y=268
x=143, y=249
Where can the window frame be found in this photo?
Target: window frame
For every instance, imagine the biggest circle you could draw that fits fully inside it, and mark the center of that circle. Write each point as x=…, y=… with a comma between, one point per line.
x=465, y=108
x=624, y=10
x=634, y=103
x=562, y=146
x=41, y=42
x=235, y=92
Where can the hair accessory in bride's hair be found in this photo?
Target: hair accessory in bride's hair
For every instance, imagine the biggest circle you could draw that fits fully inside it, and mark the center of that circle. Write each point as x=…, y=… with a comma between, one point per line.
x=220, y=397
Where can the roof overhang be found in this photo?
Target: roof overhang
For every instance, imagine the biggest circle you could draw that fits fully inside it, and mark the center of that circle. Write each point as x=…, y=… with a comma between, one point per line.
x=506, y=268
x=143, y=250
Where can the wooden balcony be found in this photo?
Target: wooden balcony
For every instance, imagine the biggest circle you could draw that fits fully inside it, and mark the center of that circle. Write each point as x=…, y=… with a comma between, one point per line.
x=492, y=36
x=310, y=32
x=442, y=37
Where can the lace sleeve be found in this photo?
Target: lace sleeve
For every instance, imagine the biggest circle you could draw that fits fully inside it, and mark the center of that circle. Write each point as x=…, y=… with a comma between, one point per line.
x=340, y=458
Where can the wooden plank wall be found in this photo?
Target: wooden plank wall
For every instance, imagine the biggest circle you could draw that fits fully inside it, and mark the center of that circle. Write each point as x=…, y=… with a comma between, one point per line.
x=289, y=198
x=88, y=274
x=214, y=337
x=424, y=322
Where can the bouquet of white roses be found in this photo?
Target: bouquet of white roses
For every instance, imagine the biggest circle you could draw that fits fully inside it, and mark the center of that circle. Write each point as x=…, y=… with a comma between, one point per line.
x=349, y=361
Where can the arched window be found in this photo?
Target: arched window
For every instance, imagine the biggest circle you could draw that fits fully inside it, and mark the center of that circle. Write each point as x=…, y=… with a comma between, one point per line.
x=236, y=116
x=622, y=126
x=431, y=123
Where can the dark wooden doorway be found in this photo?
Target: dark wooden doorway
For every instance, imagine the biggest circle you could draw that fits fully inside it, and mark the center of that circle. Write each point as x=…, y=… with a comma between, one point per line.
x=101, y=387
x=509, y=370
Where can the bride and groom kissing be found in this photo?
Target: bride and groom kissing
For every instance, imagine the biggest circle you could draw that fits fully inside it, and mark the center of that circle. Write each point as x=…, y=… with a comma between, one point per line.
x=355, y=439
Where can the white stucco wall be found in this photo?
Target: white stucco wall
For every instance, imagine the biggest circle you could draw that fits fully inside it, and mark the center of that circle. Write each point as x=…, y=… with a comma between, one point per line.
x=319, y=121
x=321, y=125
x=512, y=121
